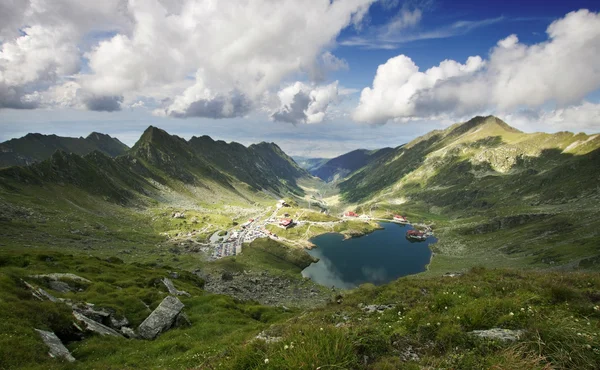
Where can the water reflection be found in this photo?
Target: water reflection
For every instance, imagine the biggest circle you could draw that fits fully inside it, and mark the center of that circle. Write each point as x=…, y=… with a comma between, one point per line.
x=377, y=258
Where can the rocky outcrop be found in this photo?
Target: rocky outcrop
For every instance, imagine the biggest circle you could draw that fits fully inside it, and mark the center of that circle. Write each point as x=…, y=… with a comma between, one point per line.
x=502, y=335
x=267, y=289
x=40, y=293
x=172, y=290
x=380, y=308
x=55, y=346
x=161, y=319
x=95, y=326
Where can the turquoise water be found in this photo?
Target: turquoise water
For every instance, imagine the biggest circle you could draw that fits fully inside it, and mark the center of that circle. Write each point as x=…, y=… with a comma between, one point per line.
x=377, y=258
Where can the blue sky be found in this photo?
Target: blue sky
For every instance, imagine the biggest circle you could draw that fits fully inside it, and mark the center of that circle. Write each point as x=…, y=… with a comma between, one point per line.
x=297, y=78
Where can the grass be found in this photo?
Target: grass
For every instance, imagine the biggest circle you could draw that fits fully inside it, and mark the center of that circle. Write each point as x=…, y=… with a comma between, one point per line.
x=219, y=322
x=559, y=313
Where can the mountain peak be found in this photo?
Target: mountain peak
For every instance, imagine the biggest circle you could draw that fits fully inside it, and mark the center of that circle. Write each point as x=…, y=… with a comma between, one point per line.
x=480, y=122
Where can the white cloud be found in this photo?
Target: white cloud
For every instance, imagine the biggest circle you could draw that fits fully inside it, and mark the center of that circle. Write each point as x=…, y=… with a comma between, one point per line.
x=198, y=58
x=398, y=81
x=583, y=117
x=562, y=70
x=301, y=103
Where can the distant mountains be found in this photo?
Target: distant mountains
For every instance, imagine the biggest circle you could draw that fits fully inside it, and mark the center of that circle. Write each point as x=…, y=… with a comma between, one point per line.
x=309, y=163
x=33, y=148
x=339, y=167
x=157, y=162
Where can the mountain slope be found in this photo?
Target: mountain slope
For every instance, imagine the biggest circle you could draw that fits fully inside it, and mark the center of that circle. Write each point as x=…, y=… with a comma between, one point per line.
x=497, y=196
x=340, y=167
x=483, y=148
x=33, y=148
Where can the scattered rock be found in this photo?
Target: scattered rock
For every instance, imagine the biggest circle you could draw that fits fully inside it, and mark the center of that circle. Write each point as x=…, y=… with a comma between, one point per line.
x=62, y=276
x=377, y=308
x=409, y=354
x=161, y=319
x=178, y=215
x=267, y=338
x=128, y=332
x=57, y=349
x=40, y=293
x=174, y=275
x=452, y=274
x=503, y=335
x=94, y=326
x=169, y=284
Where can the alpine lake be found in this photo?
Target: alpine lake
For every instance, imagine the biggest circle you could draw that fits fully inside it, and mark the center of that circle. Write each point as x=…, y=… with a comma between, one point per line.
x=378, y=258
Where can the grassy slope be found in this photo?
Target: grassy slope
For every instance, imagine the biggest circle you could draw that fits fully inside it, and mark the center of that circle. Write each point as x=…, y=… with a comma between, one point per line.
x=431, y=318
x=219, y=322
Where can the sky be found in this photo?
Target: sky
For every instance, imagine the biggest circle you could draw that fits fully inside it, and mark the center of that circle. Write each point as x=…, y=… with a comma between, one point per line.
x=319, y=78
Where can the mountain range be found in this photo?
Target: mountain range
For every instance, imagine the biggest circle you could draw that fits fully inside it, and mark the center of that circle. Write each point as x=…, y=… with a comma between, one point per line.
x=33, y=148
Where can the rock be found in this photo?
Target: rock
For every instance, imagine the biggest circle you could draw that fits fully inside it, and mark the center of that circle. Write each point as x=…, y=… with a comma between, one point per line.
x=182, y=320
x=503, y=335
x=57, y=349
x=60, y=286
x=377, y=308
x=118, y=324
x=128, y=332
x=94, y=326
x=40, y=293
x=452, y=274
x=161, y=319
x=89, y=311
x=62, y=276
x=267, y=338
x=409, y=354
x=174, y=275
x=169, y=284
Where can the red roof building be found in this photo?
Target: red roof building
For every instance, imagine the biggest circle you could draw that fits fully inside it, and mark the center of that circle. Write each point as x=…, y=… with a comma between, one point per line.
x=350, y=214
x=400, y=218
x=286, y=222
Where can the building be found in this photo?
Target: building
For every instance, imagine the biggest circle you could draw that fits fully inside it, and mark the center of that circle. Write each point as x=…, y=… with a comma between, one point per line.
x=350, y=214
x=286, y=223
x=400, y=218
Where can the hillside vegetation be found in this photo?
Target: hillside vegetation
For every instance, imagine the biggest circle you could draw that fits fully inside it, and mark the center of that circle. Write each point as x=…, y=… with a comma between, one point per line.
x=496, y=196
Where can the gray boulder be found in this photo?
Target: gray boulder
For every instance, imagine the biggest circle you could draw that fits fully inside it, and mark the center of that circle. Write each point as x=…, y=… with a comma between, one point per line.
x=118, y=324
x=172, y=290
x=128, y=332
x=380, y=308
x=40, y=293
x=161, y=319
x=60, y=286
x=55, y=346
x=502, y=335
x=95, y=326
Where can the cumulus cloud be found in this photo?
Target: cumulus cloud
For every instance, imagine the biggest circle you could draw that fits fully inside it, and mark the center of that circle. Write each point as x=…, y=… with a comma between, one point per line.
x=301, y=103
x=210, y=58
x=563, y=70
x=582, y=117
x=104, y=103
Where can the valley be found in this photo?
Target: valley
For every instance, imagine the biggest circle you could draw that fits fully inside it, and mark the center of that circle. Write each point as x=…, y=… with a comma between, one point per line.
x=230, y=225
